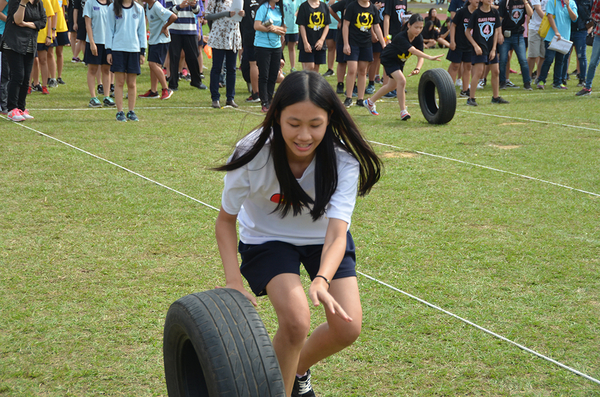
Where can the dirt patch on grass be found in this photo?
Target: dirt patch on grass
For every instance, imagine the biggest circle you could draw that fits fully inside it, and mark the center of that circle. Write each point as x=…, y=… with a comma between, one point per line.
x=505, y=147
x=403, y=155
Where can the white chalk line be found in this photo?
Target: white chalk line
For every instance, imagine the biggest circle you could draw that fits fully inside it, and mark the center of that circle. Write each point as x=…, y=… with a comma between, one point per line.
x=361, y=273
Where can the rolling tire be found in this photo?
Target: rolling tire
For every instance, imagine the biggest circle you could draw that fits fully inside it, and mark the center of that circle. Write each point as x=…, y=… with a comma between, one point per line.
x=215, y=344
x=441, y=111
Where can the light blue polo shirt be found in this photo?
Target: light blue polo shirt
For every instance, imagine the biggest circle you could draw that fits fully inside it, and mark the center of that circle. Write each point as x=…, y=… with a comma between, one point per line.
x=157, y=17
x=562, y=18
x=98, y=14
x=264, y=39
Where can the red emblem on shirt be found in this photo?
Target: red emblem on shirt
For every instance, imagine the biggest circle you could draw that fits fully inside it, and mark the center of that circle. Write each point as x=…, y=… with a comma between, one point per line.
x=276, y=198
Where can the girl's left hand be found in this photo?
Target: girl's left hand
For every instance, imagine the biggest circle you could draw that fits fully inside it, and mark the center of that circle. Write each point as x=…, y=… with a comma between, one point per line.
x=414, y=72
x=492, y=55
x=165, y=31
x=142, y=59
x=319, y=293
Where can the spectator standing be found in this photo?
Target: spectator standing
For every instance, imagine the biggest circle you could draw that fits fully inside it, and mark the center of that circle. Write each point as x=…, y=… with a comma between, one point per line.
x=512, y=13
x=313, y=21
x=595, y=58
x=248, y=54
x=578, y=36
x=3, y=63
x=536, y=47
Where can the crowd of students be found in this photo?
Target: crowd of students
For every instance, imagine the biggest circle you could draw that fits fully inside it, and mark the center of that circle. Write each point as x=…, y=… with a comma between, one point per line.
x=481, y=36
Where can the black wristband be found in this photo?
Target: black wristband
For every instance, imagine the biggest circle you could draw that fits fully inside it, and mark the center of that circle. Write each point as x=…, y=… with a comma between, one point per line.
x=324, y=278
x=22, y=5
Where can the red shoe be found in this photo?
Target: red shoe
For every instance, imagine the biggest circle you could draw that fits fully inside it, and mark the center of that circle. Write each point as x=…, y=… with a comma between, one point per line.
x=149, y=94
x=45, y=90
x=16, y=115
x=166, y=93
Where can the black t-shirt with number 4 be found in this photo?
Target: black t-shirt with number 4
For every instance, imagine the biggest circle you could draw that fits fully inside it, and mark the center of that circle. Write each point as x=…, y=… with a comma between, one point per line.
x=314, y=21
x=461, y=21
x=513, y=15
x=361, y=19
x=484, y=25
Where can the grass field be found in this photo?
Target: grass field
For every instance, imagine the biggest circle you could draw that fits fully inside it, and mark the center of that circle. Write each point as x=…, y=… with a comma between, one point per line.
x=493, y=217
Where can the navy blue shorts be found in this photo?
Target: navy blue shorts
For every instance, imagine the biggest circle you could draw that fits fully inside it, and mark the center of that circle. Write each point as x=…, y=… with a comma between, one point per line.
x=262, y=262
x=62, y=39
x=340, y=57
x=332, y=35
x=360, y=54
x=317, y=57
x=157, y=53
x=42, y=47
x=91, y=59
x=483, y=59
x=377, y=48
x=292, y=38
x=459, y=56
x=125, y=62
x=248, y=52
x=392, y=67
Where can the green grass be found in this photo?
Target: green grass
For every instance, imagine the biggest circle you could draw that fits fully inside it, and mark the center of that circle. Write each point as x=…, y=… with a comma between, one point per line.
x=92, y=256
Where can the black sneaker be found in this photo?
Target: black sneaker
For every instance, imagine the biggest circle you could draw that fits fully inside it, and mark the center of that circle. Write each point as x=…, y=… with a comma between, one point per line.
x=510, y=84
x=527, y=87
x=465, y=94
x=303, y=386
x=471, y=102
x=253, y=98
x=348, y=102
x=340, y=88
x=60, y=81
x=502, y=86
x=499, y=100
x=360, y=102
x=100, y=89
x=328, y=73
x=36, y=88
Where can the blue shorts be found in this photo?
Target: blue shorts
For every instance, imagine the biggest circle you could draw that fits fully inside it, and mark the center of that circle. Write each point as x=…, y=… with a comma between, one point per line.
x=248, y=52
x=99, y=59
x=125, y=62
x=360, y=54
x=62, y=39
x=157, y=53
x=459, y=56
x=291, y=38
x=332, y=35
x=484, y=59
x=42, y=47
x=317, y=57
x=262, y=262
x=391, y=68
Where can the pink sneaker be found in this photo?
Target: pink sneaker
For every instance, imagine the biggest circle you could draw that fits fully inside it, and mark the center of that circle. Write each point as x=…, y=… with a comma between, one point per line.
x=16, y=115
x=371, y=107
x=26, y=115
x=404, y=115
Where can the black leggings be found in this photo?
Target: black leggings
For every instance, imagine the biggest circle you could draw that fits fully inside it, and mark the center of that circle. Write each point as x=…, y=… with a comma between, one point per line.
x=268, y=61
x=18, y=80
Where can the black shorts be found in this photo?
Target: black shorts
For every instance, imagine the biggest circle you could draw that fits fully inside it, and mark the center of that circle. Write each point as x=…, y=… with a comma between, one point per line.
x=340, y=57
x=125, y=62
x=248, y=52
x=291, y=38
x=91, y=59
x=485, y=58
x=157, y=53
x=62, y=39
x=317, y=57
x=377, y=48
x=81, y=32
x=43, y=47
x=391, y=67
x=360, y=54
x=332, y=35
x=262, y=262
x=457, y=56
x=69, y=18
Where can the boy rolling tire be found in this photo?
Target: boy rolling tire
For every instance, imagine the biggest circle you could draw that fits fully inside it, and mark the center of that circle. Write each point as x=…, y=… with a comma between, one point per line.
x=442, y=110
x=215, y=344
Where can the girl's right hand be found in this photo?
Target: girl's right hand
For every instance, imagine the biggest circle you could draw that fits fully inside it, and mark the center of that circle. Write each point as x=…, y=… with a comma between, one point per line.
x=453, y=46
x=436, y=57
x=347, y=49
x=243, y=290
x=478, y=50
x=109, y=59
x=94, y=49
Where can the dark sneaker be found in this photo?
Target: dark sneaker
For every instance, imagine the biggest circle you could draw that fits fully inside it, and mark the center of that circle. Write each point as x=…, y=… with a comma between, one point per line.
x=131, y=116
x=355, y=92
x=559, y=87
x=340, y=88
x=36, y=88
x=95, y=103
x=391, y=94
x=527, y=87
x=328, y=73
x=112, y=90
x=100, y=89
x=584, y=92
x=370, y=90
x=502, y=86
x=201, y=86
x=465, y=94
x=509, y=84
x=348, y=102
x=360, y=102
x=253, y=98
x=216, y=104
x=52, y=83
x=108, y=102
x=471, y=102
x=499, y=100
x=303, y=386
x=581, y=83
x=121, y=117
x=231, y=103
x=60, y=81
x=264, y=108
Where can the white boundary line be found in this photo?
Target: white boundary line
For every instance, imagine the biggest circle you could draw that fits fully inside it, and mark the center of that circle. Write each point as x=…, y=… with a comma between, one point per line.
x=363, y=274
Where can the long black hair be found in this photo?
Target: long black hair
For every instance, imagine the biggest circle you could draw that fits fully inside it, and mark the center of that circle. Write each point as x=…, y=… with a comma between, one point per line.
x=341, y=132
x=414, y=18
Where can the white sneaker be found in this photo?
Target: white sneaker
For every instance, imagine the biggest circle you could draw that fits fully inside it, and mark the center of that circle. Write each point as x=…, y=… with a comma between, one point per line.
x=26, y=115
x=16, y=115
x=371, y=107
x=458, y=83
x=481, y=84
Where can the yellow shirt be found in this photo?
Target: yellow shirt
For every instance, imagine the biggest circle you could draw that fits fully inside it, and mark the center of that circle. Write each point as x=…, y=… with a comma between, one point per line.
x=61, y=23
x=49, y=13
